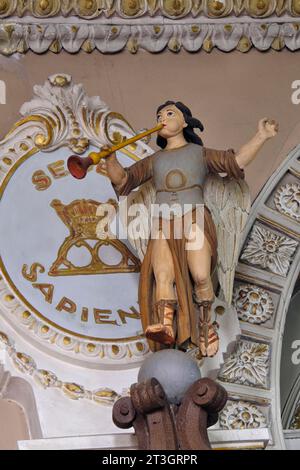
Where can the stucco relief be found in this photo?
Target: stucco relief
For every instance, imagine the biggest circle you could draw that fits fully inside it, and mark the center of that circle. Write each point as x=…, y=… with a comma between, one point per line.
x=253, y=304
x=247, y=365
x=241, y=415
x=269, y=250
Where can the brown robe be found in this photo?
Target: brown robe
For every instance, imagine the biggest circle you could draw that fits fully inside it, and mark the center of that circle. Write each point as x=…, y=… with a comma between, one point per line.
x=217, y=161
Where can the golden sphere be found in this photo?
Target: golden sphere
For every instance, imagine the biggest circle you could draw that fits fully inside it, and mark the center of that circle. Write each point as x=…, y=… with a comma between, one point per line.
x=44, y=4
x=24, y=147
x=88, y=4
x=60, y=80
x=217, y=5
x=220, y=310
x=261, y=5
x=8, y=298
x=132, y=4
x=40, y=140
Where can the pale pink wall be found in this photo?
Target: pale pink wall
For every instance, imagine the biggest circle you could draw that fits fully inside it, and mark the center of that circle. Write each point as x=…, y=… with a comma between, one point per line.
x=228, y=92
x=13, y=425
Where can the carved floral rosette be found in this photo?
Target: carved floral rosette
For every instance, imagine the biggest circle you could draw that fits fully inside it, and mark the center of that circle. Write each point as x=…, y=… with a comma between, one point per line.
x=287, y=200
x=62, y=115
x=253, y=304
x=241, y=415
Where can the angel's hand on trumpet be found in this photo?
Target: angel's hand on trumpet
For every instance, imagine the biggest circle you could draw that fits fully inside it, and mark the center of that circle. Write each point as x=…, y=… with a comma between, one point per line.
x=267, y=128
x=110, y=167
x=106, y=162
x=78, y=166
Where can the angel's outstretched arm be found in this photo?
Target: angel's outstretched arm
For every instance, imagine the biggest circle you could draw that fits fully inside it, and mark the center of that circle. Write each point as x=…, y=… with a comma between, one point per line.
x=222, y=161
x=266, y=129
x=124, y=180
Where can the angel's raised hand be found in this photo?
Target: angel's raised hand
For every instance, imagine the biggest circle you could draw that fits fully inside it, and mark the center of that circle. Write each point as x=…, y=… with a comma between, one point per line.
x=268, y=128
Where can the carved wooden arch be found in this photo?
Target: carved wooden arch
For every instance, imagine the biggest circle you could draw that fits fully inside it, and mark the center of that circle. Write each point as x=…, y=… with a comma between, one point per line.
x=267, y=272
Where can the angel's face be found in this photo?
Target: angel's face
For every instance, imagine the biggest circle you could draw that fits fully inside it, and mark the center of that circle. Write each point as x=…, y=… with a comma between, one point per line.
x=173, y=121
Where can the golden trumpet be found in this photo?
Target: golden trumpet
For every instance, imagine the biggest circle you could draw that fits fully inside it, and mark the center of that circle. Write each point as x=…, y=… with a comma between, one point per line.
x=78, y=166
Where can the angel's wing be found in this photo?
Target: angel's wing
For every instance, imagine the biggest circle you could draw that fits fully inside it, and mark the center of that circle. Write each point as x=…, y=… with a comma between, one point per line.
x=229, y=202
x=135, y=216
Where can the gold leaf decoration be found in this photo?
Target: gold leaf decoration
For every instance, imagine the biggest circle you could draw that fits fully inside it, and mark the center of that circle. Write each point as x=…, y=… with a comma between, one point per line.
x=295, y=7
x=86, y=7
x=244, y=44
x=176, y=8
x=258, y=8
x=46, y=8
x=131, y=7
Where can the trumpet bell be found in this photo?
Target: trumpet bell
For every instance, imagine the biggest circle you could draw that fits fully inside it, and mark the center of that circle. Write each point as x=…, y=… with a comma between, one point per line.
x=78, y=166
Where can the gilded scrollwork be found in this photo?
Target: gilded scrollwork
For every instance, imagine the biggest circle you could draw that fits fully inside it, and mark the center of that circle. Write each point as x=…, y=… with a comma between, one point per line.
x=62, y=114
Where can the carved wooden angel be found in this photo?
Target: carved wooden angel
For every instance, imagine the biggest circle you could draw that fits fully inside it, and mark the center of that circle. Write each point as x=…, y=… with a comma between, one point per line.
x=176, y=289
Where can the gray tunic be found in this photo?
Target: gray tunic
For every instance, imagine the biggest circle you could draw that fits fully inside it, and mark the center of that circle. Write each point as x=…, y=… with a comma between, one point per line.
x=179, y=175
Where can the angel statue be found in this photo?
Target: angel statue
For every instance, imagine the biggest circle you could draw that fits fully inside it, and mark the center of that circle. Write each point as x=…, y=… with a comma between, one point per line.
x=176, y=289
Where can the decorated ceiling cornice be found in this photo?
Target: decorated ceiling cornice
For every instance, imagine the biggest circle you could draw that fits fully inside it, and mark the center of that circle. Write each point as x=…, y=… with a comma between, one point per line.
x=110, y=26
x=175, y=9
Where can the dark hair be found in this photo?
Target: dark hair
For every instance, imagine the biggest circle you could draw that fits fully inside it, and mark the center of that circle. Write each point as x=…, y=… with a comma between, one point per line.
x=188, y=132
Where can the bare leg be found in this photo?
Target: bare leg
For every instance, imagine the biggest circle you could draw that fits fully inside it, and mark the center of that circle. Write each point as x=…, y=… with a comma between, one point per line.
x=199, y=262
x=163, y=268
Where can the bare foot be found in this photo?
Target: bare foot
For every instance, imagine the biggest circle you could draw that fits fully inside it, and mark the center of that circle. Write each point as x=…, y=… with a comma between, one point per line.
x=161, y=334
x=209, y=340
